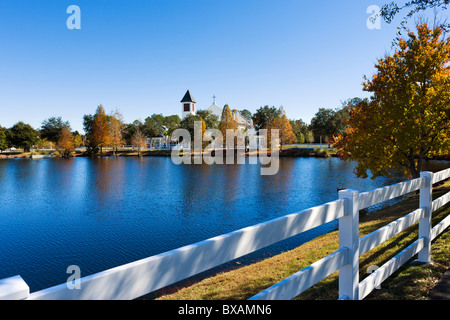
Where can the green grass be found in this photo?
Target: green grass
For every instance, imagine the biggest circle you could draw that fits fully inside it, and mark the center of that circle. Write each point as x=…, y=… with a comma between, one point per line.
x=410, y=282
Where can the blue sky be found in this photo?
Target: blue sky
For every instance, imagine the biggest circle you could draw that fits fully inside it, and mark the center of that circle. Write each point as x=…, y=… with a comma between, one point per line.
x=141, y=56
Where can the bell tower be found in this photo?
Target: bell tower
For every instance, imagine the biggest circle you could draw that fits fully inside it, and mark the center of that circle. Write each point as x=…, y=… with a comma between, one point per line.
x=187, y=105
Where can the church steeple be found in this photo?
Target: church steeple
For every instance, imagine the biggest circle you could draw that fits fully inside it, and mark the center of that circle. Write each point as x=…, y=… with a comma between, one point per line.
x=188, y=104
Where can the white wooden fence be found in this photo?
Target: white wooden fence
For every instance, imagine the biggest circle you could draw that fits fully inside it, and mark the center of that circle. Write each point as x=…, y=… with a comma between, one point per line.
x=138, y=278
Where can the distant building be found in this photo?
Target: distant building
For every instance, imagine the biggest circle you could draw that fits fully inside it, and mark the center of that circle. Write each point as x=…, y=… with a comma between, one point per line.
x=188, y=107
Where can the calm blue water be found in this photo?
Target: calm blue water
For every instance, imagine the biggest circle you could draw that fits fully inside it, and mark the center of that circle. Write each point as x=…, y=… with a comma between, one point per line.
x=101, y=213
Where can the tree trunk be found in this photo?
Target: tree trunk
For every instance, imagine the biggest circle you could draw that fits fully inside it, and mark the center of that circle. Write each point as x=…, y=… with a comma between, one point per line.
x=415, y=171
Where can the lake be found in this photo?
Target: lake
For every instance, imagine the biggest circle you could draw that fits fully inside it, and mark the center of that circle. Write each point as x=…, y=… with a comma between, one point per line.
x=102, y=213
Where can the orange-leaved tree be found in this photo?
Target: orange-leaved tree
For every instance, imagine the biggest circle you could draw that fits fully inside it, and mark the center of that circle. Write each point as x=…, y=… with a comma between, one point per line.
x=227, y=122
x=116, y=128
x=286, y=134
x=139, y=141
x=100, y=136
x=65, y=144
x=408, y=116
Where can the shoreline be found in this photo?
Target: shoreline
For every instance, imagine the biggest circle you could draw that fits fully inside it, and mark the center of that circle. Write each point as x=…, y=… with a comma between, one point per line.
x=288, y=153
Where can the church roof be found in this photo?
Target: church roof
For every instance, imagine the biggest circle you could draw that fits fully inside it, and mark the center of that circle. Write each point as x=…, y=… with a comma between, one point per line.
x=215, y=109
x=188, y=98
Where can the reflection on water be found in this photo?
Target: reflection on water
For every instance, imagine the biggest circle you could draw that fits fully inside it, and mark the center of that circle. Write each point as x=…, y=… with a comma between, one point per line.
x=101, y=213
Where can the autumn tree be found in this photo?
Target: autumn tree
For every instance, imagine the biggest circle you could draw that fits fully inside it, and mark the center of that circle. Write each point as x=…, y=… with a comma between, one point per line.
x=285, y=133
x=100, y=136
x=138, y=140
x=116, y=128
x=227, y=122
x=408, y=116
x=65, y=144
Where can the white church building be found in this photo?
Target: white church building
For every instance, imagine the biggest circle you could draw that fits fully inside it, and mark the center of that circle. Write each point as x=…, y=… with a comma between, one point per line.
x=188, y=107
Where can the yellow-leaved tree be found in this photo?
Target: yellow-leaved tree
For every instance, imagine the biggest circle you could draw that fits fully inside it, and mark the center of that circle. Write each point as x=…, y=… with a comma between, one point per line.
x=65, y=144
x=100, y=136
x=139, y=141
x=408, y=116
x=227, y=122
x=286, y=134
x=116, y=128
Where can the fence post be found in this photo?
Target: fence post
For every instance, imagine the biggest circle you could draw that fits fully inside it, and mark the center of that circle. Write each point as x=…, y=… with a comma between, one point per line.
x=425, y=201
x=349, y=238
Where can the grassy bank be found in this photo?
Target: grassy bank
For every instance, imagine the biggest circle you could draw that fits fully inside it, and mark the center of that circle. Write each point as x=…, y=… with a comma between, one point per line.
x=411, y=282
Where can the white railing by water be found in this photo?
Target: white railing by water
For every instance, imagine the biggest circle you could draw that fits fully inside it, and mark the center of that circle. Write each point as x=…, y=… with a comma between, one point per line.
x=133, y=280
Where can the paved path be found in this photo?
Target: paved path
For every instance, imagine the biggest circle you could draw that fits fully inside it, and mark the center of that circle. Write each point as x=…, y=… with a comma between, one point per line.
x=442, y=289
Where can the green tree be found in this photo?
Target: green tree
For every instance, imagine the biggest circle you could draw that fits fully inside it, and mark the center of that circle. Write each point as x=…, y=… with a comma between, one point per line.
x=88, y=121
x=328, y=123
x=264, y=117
x=51, y=128
x=300, y=130
x=309, y=137
x=22, y=135
x=247, y=114
x=78, y=140
x=154, y=126
x=322, y=124
x=171, y=123
x=3, y=142
x=188, y=123
x=129, y=130
x=211, y=120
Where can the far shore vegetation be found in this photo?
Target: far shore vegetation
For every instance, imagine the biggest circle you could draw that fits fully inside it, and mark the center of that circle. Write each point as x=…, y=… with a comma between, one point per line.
x=106, y=134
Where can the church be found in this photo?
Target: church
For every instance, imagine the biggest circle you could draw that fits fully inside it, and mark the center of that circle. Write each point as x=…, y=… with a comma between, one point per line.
x=188, y=107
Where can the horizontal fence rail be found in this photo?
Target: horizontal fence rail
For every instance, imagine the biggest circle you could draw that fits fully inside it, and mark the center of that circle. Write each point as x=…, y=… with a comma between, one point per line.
x=379, y=236
x=376, y=278
x=141, y=277
x=297, y=283
x=377, y=196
